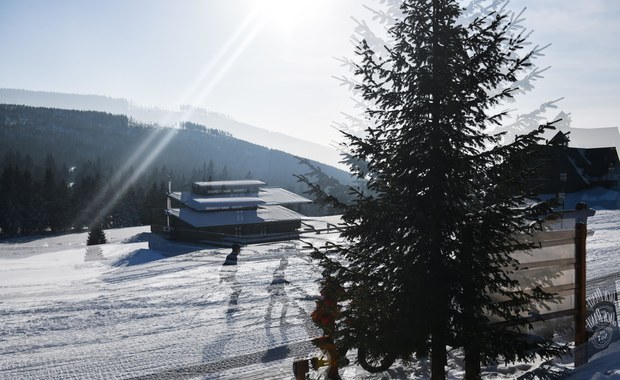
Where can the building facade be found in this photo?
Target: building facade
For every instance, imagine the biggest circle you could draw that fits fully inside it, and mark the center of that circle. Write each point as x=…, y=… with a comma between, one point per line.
x=227, y=212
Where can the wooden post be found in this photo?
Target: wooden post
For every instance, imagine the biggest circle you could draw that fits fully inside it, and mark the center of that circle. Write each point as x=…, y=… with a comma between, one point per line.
x=300, y=369
x=581, y=337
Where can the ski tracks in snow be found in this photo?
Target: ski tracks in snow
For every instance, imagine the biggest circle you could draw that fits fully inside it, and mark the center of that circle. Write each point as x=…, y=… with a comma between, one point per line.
x=145, y=315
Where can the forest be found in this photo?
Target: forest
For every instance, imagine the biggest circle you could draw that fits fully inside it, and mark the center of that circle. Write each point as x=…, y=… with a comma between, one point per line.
x=62, y=170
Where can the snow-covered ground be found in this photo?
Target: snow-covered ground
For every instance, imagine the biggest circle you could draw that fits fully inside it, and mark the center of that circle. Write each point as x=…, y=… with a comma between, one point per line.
x=141, y=307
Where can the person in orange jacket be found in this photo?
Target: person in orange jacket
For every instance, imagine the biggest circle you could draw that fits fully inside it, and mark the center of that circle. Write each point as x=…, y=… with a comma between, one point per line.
x=325, y=315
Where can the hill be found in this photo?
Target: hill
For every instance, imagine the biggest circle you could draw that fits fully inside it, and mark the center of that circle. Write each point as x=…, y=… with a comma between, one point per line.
x=213, y=120
x=121, y=142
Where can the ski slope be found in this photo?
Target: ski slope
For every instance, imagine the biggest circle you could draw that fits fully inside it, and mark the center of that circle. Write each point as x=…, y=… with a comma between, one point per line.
x=141, y=307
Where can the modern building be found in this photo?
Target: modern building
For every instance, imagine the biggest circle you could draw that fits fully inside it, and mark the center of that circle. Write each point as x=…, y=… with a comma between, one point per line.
x=227, y=212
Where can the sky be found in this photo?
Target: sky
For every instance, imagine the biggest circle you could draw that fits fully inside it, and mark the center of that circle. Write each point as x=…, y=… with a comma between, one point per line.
x=272, y=63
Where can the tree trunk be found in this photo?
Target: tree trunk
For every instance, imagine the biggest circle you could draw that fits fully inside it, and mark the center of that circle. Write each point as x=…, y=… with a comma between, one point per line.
x=472, y=363
x=439, y=355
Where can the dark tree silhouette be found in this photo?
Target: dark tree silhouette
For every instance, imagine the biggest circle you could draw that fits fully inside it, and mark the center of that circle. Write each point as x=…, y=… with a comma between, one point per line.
x=96, y=235
x=431, y=238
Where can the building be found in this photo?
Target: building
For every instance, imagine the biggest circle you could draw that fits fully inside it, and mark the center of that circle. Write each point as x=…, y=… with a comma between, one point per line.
x=227, y=212
x=590, y=175
x=584, y=138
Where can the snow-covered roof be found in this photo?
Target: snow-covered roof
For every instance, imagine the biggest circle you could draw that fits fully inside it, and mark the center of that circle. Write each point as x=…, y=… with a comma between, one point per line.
x=590, y=137
x=277, y=195
x=266, y=196
x=228, y=184
x=234, y=217
x=203, y=203
x=225, y=188
x=594, y=137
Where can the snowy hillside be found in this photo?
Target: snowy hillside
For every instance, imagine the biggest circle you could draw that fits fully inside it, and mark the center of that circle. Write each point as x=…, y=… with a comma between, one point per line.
x=324, y=153
x=143, y=307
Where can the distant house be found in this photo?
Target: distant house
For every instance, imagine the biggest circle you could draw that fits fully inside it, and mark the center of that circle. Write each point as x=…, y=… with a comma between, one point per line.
x=227, y=212
x=563, y=169
x=585, y=137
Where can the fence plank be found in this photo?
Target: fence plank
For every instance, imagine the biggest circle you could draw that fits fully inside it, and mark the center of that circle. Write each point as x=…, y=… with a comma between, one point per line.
x=557, y=252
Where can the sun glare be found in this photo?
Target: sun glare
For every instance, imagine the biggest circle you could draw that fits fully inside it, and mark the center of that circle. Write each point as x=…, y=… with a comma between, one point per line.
x=282, y=15
x=286, y=15
x=277, y=12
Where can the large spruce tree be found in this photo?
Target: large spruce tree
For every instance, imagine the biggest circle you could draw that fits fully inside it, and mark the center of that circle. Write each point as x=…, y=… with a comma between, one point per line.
x=431, y=238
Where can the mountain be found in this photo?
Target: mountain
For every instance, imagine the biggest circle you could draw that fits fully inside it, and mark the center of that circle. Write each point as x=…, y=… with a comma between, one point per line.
x=214, y=120
x=119, y=143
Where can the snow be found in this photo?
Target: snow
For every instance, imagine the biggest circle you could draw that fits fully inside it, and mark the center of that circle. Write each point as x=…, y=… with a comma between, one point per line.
x=605, y=365
x=144, y=307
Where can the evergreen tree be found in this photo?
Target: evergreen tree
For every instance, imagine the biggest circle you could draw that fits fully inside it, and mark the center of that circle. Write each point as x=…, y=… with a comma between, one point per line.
x=210, y=171
x=328, y=189
x=84, y=195
x=27, y=206
x=96, y=235
x=224, y=176
x=9, y=202
x=126, y=213
x=431, y=238
x=155, y=198
x=62, y=207
x=49, y=194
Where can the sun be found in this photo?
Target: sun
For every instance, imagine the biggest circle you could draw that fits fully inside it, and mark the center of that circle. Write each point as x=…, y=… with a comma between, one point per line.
x=280, y=14
x=286, y=15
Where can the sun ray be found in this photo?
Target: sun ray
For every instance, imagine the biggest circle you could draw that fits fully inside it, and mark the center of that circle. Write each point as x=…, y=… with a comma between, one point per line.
x=250, y=22
x=147, y=152
x=119, y=187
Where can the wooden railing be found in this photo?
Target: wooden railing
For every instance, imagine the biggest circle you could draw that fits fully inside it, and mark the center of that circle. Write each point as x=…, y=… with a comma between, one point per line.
x=557, y=266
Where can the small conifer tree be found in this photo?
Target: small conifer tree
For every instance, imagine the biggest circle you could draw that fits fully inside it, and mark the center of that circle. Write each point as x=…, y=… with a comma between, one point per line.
x=96, y=235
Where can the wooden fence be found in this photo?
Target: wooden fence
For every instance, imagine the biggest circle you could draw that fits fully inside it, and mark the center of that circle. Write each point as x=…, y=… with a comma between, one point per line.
x=558, y=266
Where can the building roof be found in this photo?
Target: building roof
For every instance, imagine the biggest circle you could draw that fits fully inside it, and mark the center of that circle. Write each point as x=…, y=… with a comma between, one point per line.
x=277, y=195
x=227, y=218
x=265, y=196
x=594, y=137
x=588, y=137
x=226, y=188
x=204, y=203
x=230, y=184
x=241, y=182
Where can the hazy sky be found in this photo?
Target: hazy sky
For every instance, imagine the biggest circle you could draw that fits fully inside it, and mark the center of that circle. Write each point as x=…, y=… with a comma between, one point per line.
x=270, y=63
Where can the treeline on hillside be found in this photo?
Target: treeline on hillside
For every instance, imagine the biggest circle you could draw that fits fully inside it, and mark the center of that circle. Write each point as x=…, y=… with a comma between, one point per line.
x=67, y=170
x=40, y=197
x=64, y=199
x=74, y=137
